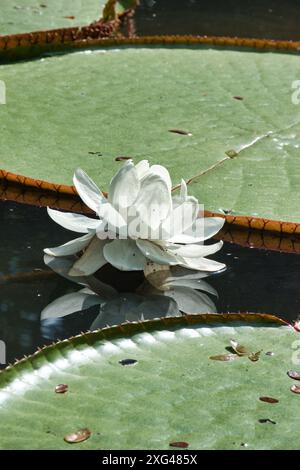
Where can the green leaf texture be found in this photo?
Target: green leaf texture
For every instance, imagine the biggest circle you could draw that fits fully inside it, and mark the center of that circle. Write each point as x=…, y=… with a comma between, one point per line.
x=173, y=393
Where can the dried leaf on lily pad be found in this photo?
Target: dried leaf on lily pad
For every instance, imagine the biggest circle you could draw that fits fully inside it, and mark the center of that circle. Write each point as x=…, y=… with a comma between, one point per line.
x=61, y=388
x=293, y=374
x=254, y=356
x=224, y=357
x=270, y=353
x=295, y=389
x=128, y=362
x=266, y=421
x=179, y=444
x=78, y=436
x=239, y=349
x=269, y=400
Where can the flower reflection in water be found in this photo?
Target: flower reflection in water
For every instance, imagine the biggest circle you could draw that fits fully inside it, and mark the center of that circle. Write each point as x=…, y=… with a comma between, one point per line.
x=160, y=291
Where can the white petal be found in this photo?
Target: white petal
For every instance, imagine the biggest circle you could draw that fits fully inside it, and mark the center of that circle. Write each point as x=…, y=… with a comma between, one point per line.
x=154, y=201
x=182, y=217
x=179, y=272
x=70, y=303
x=156, y=253
x=183, y=190
x=75, y=222
x=191, y=300
x=142, y=168
x=124, y=187
x=163, y=173
x=124, y=255
x=202, y=264
x=202, y=229
x=88, y=190
x=91, y=260
x=113, y=218
x=195, y=251
x=70, y=248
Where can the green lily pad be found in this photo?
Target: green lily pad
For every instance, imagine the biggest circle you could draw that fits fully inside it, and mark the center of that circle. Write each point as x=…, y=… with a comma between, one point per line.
x=24, y=16
x=88, y=108
x=173, y=392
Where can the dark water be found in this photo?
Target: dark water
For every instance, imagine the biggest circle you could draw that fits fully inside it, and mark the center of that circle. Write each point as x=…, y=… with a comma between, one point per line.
x=255, y=281
x=273, y=19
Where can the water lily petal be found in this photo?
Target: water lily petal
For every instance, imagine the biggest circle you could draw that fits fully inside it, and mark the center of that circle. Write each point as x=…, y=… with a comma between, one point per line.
x=194, y=250
x=70, y=303
x=182, y=218
x=124, y=255
x=203, y=228
x=142, y=168
x=75, y=222
x=91, y=260
x=154, y=202
x=88, y=190
x=70, y=248
x=115, y=221
x=157, y=253
x=124, y=186
x=163, y=173
x=191, y=301
x=202, y=264
x=179, y=272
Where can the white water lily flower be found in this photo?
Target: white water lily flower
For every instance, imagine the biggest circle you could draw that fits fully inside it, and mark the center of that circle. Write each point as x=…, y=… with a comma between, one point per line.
x=139, y=223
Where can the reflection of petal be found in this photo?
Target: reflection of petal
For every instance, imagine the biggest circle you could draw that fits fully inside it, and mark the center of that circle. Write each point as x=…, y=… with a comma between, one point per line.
x=124, y=255
x=70, y=248
x=91, y=260
x=62, y=267
x=75, y=222
x=124, y=187
x=193, y=284
x=191, y=301
x=71, y=303
x=88, y=190
x=133, y=307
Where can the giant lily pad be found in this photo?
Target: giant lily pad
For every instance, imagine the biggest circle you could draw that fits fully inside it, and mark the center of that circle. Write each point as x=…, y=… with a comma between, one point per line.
x=87, y=108
x=145, y=385
x=22, y=16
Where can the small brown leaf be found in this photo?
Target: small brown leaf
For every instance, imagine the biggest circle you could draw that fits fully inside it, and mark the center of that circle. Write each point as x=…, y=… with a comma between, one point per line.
x=293, y=374
x=238, y=98
x=270, y=353
x=295, y=389
x=121, y=158
x=254, y=356
x=266, y=420
x=61, y=388
x=239, y=349
x=223, y=357
x=269, y=399
x=179, y=444
x=71, y=17
x=180, y=131
x=78, y=436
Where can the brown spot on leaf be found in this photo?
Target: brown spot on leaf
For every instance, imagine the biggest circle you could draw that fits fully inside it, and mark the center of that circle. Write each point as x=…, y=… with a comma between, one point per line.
x=223, y=357
x=239, y=349
x=270, y=353
x=295, y=389
x=61, y=388
x=269, y=400
x=240, y=98
x=121, y=158
x=180, y=131
x=78, y=436
x=71, y=17
x=128, y=362
x=266, y=421
x=254, y=356
x=179, y=444
x=293, y=374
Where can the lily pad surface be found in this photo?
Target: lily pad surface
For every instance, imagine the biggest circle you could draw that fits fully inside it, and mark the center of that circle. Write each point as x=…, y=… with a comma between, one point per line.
x=170, y=391
x=90, y=107
x=22, y=16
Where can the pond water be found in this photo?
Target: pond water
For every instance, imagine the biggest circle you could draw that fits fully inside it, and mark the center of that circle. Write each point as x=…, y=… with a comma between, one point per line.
x=255, y=281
